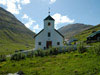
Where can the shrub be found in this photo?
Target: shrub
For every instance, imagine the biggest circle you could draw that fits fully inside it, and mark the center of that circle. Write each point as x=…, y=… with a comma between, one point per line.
x=47, y=52
x=50, y=51
x=54, y=51
x=2, y=58
x=96, y=49
x=81, y=48
x=30, y=54
x=63, y=50
x=42, y=53
x=70, y=49
x=18, y=56
x=39, y=53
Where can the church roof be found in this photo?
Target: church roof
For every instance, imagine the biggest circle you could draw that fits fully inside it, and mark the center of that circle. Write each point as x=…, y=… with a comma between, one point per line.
x=49, y=18
x=54, y=29
x=38, y=33
x=59, y=33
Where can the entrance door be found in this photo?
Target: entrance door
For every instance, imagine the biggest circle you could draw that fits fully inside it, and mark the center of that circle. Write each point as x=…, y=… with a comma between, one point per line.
x=49, y=44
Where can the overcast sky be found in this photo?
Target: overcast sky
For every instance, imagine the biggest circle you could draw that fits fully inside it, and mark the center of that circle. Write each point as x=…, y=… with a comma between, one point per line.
x=32, y=12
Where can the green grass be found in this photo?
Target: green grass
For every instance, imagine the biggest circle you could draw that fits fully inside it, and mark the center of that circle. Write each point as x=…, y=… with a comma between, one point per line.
x=10, y=48
x=63, y=64
x=12, y=41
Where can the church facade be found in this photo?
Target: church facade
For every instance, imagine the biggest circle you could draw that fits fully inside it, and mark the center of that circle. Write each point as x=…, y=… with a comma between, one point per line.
x=49, y=36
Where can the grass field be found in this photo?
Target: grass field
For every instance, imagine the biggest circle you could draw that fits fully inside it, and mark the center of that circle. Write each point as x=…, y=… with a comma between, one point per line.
x=10, y=48
x=72, y=63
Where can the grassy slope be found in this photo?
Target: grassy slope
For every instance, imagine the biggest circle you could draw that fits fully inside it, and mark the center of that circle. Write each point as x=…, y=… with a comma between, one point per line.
x=13, y=34
x=83, y=35
x=62, y=64
x=9, y=44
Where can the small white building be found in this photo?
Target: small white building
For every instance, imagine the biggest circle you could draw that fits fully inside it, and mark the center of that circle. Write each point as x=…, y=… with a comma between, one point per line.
x=49, y=36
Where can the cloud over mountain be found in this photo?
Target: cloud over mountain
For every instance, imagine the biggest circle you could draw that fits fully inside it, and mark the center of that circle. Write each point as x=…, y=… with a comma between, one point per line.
x=31, y=23
x=59, y=19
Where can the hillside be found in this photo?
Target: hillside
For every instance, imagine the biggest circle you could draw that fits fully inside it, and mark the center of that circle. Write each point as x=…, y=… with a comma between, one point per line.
x=72, y=29
x=13, y=34
x=86, y=33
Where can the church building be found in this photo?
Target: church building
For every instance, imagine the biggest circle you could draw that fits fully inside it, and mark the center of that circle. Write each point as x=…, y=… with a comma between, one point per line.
x=49, y=36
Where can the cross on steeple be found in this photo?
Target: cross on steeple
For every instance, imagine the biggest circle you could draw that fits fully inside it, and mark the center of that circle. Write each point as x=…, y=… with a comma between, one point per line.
x=49, y=11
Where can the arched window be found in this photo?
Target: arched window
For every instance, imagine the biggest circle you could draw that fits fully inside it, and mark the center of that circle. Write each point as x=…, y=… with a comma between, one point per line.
x=49, y=24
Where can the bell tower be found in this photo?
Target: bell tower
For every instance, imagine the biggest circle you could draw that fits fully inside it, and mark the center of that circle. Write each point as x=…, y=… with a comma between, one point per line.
x=49, y=22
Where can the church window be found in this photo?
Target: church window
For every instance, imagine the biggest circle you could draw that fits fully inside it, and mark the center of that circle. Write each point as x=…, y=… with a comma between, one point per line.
x=39, y=43
x=58, y=43
x=49, y=24
x=49, y=34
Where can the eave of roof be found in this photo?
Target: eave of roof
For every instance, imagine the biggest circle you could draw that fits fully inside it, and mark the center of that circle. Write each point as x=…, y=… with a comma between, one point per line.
x=38, y=33
x=59, y=33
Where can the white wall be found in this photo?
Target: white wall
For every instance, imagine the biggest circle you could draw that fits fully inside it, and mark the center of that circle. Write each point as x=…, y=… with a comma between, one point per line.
x=43, y=36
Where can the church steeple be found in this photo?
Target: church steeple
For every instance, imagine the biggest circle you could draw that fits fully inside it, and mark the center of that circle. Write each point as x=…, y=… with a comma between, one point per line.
x=49, y=22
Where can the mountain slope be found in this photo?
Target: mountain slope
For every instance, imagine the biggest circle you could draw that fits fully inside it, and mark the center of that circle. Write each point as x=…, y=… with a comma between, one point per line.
x=72, y=29
x=87, y=32
x=13, y=34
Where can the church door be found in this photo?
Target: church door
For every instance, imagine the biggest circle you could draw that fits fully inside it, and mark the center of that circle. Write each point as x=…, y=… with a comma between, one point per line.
x=49, y=44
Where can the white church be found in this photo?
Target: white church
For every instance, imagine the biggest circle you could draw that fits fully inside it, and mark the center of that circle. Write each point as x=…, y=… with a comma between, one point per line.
x=49, y=36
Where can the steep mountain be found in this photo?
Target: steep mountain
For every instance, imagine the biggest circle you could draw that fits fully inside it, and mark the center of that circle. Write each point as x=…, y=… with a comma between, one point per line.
x=13, y=34
x=72, y=29
x=82, y=36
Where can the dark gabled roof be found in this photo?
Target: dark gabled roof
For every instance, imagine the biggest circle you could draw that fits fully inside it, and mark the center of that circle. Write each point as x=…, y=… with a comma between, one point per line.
x=93, y=34
x=38, y=33
x=59, y=33
x=49, y=18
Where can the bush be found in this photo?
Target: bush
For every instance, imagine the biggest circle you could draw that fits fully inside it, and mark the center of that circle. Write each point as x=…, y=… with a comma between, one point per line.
x=54, y=51
x=63, y=50
x=39, y=53
x=96, y=49
x=30, y=54
x=70, y=49
x=81, y=48
x=42, y=53
x=18, y=56
x=2, y=58
x=47, y=52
